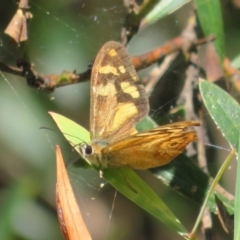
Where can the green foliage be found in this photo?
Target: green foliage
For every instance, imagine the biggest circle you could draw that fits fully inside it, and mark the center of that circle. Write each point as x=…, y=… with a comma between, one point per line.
x=162, y=9
x=210, y=16
x=125, y=181
x=237, y=201
x=67, y=36
x=236, y=62
x=225, y=111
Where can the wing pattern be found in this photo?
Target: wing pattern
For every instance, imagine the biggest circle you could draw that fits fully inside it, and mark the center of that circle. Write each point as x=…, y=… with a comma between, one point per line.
x=150, y=149
x=117, y=101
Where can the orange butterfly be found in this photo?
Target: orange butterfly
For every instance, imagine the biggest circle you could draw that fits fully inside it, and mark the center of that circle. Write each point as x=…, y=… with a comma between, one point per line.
x=117, y=104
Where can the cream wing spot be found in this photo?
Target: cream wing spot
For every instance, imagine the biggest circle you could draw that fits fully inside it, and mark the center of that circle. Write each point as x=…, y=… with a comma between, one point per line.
x=133, y=92
x=135, y=78
x=130, y=89
x=108, y=69
x=125, y=111
x=112, y=53
x=125, y=85
x=105, y=90
x=122, y=69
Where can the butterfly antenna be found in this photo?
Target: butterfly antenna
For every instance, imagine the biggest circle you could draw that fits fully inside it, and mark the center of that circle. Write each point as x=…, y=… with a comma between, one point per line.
x=67, y=134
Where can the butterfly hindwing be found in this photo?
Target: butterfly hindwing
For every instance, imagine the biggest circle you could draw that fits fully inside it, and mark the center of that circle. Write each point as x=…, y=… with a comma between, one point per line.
x=117, y=101
x=150, y=149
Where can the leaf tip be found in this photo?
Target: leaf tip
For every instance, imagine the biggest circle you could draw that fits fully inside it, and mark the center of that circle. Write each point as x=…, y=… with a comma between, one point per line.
x=201, y=80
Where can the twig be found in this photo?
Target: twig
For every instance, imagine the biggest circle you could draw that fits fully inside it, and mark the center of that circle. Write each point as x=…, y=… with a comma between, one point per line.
x=46, y=83
x=134, y=17
x=49, y=82
x=10, y=69
x=176, y=44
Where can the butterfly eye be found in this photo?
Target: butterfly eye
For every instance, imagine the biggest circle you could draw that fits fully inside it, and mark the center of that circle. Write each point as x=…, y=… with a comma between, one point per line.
x=85, y=149
x=88, y=150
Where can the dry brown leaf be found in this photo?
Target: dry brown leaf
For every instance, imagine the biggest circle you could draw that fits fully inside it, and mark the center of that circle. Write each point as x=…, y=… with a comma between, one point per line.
x=17, y=28
x=23, y=4
x=69, y=215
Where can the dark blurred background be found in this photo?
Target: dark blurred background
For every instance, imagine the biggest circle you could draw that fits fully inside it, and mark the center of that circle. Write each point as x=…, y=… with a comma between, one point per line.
x=66, y=35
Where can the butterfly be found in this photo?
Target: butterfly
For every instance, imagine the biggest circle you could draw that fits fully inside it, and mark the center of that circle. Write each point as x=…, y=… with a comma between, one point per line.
x=118, y=102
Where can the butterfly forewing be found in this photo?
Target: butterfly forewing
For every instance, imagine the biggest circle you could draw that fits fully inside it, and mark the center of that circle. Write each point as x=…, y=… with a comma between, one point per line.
x=117, y=101
x=150, y=149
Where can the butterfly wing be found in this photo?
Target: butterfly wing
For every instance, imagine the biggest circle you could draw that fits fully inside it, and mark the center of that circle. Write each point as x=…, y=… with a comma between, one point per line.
x=150, y=149
x=117, y=102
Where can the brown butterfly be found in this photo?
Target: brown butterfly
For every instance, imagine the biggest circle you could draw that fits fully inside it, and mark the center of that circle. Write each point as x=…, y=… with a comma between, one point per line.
x=117, y=104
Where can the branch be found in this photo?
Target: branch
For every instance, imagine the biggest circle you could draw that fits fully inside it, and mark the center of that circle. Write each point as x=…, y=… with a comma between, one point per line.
x=49, y=82
x=173, y=45
x=45, y=82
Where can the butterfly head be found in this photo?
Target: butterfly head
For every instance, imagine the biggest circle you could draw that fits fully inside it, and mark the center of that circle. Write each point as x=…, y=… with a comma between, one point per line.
x=91, y=152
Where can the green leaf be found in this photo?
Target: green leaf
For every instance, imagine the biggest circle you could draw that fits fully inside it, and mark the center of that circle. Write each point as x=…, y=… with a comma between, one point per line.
x=185, y=176
x=224, y=110
x=145, y=124
x=210, y=17
x=162, y=9
x=126, y=181
x=236, y=62
x=133, y=187
x=211, y=190
x=187, y=179
x=73, y=132
x=237, y=201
